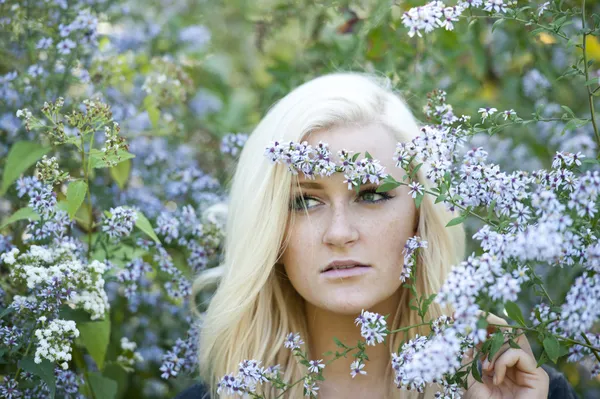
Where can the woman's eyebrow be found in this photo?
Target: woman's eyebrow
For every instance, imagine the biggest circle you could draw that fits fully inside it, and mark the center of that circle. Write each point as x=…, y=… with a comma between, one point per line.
x=314, y=185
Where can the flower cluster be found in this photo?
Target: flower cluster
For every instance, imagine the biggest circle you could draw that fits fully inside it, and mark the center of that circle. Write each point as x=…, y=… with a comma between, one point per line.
x=233, y=143
x=250, y=374
x=68, y=382
x=423, y=361
x=312, y=162
x=54, y=341
x=128, y=356
x=373, y=330
x=436, y=14
x=48, y=171
x=132, y=278
x=411, y=246
x=168, y=83
x=120, y=222
x=114, y=144
x=57, y=276
x=85, y=23
x=373, y=327
x=200, y=237
x=293, y=341
x=181, y=358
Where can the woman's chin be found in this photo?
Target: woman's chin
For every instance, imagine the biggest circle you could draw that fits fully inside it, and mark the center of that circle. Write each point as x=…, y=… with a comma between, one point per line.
x=348, y=308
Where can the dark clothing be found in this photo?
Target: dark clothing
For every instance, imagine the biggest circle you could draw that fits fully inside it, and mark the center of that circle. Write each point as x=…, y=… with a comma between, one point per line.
x=559, y=388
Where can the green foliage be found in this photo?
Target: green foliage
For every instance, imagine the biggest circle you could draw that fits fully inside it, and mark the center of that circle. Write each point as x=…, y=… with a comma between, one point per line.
x=94, y=336
x=75, y=196
x=21, y=214
x=44, y=370
x=22, y=155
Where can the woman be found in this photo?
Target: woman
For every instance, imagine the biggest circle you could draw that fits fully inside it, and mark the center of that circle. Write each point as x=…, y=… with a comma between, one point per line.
x=308, y=255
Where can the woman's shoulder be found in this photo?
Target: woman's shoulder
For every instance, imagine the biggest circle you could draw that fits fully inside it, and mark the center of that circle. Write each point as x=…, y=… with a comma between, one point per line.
x=196, y=391
x=559, y=386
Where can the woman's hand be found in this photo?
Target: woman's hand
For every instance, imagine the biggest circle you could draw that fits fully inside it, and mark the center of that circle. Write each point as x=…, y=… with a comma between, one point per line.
x=512, y=373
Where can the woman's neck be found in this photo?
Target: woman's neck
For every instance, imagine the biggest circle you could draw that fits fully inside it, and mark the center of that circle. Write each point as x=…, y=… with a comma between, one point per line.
x=323, y=326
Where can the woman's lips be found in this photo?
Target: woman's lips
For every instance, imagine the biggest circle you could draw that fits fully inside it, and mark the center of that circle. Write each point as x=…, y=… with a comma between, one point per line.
x=349, y=272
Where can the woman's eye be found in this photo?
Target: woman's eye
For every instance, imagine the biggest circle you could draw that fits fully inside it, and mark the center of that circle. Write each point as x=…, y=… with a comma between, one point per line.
x=371, y=196
x=302, y=203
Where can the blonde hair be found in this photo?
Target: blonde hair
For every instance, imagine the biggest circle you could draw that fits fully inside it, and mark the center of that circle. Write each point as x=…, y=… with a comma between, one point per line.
x=255, y=306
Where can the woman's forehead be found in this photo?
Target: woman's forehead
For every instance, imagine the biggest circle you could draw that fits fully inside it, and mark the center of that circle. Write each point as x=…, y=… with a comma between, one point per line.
x=375, y=139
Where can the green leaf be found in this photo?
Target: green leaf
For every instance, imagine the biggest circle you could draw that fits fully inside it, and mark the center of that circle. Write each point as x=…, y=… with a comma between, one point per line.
x=97, y=158
x=77, y=315
x=591, y=161
x=413, y=172
x=44, y=370
x=475, y=369
x=482, y=323
x=494, y=26
x=120, y=173
x=152, y=109
x=440, y=198
x=497, y=343
x=427, y=302
x=457, y=220
x=569, y=110
x=102, y=387
x=491, y=209
x=21, y=214
x=94, y=336
x=22, y=155
x=552, y=347
x=542, y=359
x=75, y=196
x=387, y=187
x=513, y=344
x=418, y=200
x=6, y=312
x=574, y=124
x=514, y=312
x=143, y=224
x=339, y=343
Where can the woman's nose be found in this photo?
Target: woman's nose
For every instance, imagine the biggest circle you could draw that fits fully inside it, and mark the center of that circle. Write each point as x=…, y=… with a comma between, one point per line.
x=341, y=229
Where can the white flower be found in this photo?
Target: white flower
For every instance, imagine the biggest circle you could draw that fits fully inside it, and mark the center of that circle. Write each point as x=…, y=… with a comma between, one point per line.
x=293, y=341
x=415, y=189
x=373, y=327
x=311, y=388
x=315, y=366
x=356, y=368
x=485, y=112
x=9, y=257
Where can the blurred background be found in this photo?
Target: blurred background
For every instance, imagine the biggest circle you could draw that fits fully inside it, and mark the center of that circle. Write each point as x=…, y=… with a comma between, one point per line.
x=187, y=80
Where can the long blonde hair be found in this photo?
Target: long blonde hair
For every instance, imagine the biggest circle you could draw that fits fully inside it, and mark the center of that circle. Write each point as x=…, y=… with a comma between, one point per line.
x=254, y=306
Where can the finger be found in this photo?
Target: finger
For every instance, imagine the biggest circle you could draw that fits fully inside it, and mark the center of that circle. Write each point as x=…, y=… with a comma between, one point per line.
x=513, y=358
x=488, y=365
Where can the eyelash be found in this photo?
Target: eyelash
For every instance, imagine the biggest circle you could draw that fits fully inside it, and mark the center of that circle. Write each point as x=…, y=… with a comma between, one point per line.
x=298, y=206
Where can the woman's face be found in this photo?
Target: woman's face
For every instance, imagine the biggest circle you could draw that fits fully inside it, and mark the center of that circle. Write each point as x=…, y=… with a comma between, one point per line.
x=369, y=229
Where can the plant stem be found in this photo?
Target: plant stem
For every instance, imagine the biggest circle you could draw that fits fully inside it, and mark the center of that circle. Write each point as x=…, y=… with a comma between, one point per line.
x=409, y=327
x=540, y=285
x=572, y=341
x=587, y=77
x=339, y=355
x=25, y=355
x=458, y=206
x=594, y=351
